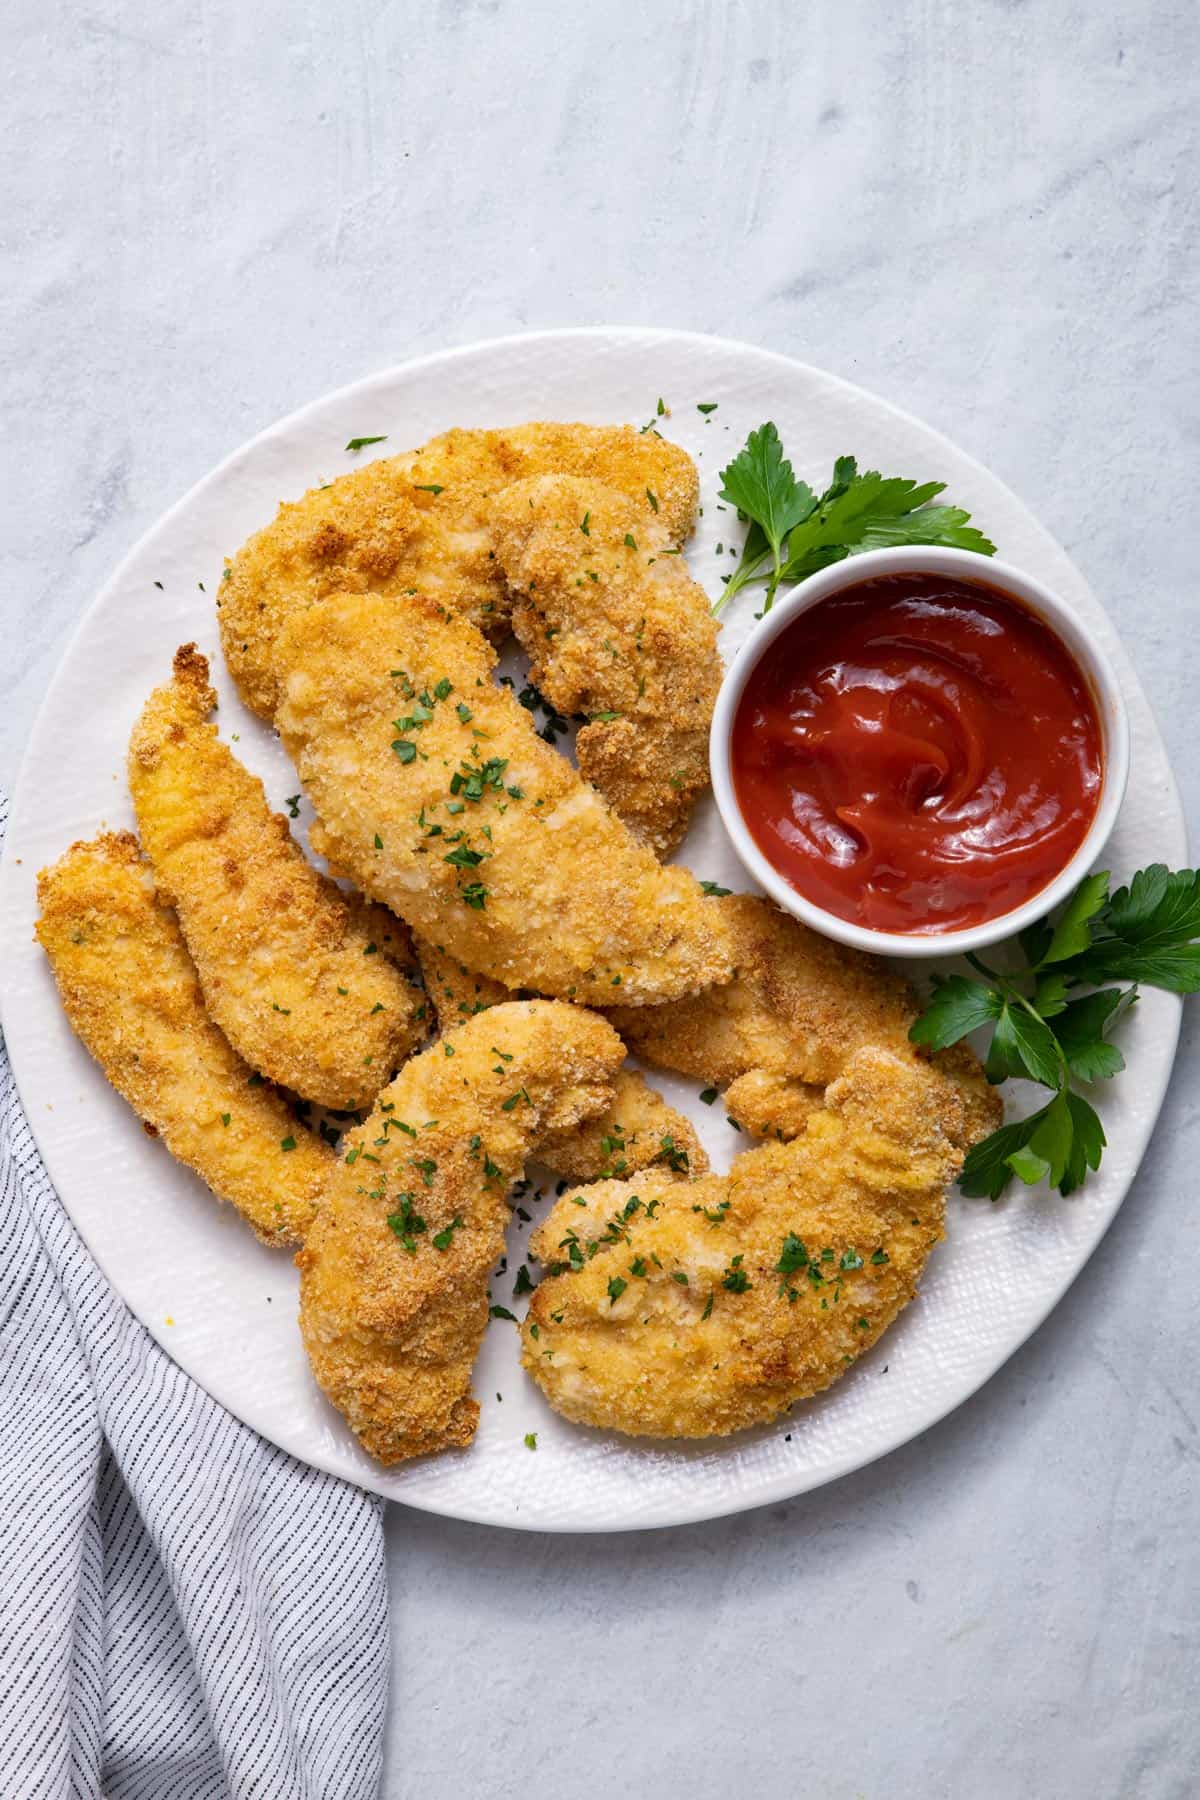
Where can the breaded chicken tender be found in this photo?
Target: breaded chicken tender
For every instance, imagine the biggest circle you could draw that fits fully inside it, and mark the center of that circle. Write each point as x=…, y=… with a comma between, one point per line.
x=394, y=1274
x=693, y=1310
x=285, y=961
x=639, y=1130
x=437, y=796
x=616, y=629
x=419, y=522
x=132, y=995
x=798, y=1008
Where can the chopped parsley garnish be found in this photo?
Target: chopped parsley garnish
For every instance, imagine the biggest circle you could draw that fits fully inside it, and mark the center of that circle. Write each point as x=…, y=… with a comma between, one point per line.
x=287, y=1143
x=406, y=1222
x=442, y=1240
x=735, y=1277
x=428, y=487
x=708, y=1095
x=675, y=1157
x=616, y=1288
x=714, y=888
x=360, y=443
x=531, y=1440
x=502, y=1312
x=792, y=1256
x=292, y=802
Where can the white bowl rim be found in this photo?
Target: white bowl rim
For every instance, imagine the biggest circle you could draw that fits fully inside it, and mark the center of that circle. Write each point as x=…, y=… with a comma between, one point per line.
x=963, y=565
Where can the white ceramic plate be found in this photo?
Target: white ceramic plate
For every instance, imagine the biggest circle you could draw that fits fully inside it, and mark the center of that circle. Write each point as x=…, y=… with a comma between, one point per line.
x=222, y=1305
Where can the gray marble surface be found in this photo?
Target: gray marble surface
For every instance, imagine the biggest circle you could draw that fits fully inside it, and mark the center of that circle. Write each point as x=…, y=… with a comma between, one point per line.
x=984, y=210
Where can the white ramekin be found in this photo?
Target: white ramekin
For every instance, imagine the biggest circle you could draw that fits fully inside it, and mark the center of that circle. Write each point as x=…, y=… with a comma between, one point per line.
x=962, y=565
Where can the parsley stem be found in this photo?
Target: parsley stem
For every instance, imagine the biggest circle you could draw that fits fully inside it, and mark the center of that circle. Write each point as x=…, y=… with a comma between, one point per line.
x=742, y=576
x=773, y=583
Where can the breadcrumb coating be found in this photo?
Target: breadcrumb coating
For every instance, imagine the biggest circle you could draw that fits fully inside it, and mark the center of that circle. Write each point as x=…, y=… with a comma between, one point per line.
x=394, y=1274
x=639, y=1130
x=616, y=629
x=286, y=962
x=436, y=794
x=796, y=1011
x=419, y=521
x=696, y=1309
x=132, y=995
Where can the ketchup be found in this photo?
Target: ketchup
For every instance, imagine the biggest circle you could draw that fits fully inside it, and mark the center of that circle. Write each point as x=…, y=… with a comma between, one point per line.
x=917, y=754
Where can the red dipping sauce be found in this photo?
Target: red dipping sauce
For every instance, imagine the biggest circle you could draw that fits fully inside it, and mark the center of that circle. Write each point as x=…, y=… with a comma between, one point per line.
x=917, y=754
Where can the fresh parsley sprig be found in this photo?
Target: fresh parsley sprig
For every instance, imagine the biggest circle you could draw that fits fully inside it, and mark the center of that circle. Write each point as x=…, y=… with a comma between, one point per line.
x=793, y=532
x=1043, y=1030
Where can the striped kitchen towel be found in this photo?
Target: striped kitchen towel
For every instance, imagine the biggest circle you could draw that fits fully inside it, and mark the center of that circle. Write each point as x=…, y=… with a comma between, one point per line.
x=186, y=1613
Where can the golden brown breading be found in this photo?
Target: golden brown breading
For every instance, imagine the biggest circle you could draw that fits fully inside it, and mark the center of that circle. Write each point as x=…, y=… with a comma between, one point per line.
x=616, y=629
x=284, y=960
x=393, y=1295
x=452, y=990
x=639, y=1129
x=131, y=993
x=797, y=1010
x=769, y=1105
x=419, y=521
x=666, y=1312
x=437, y=795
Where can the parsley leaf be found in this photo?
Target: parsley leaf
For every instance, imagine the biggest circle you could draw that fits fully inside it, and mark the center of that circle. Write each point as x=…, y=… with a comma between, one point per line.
x=1087, y=1144
x=988, y=1170
x=1145, y=931
x=1071, y=934
x=871, y=512
x=1081, y=1030
x=361, y=443
x=1022, y=1045
x=958, y=1006
x=760, y=483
